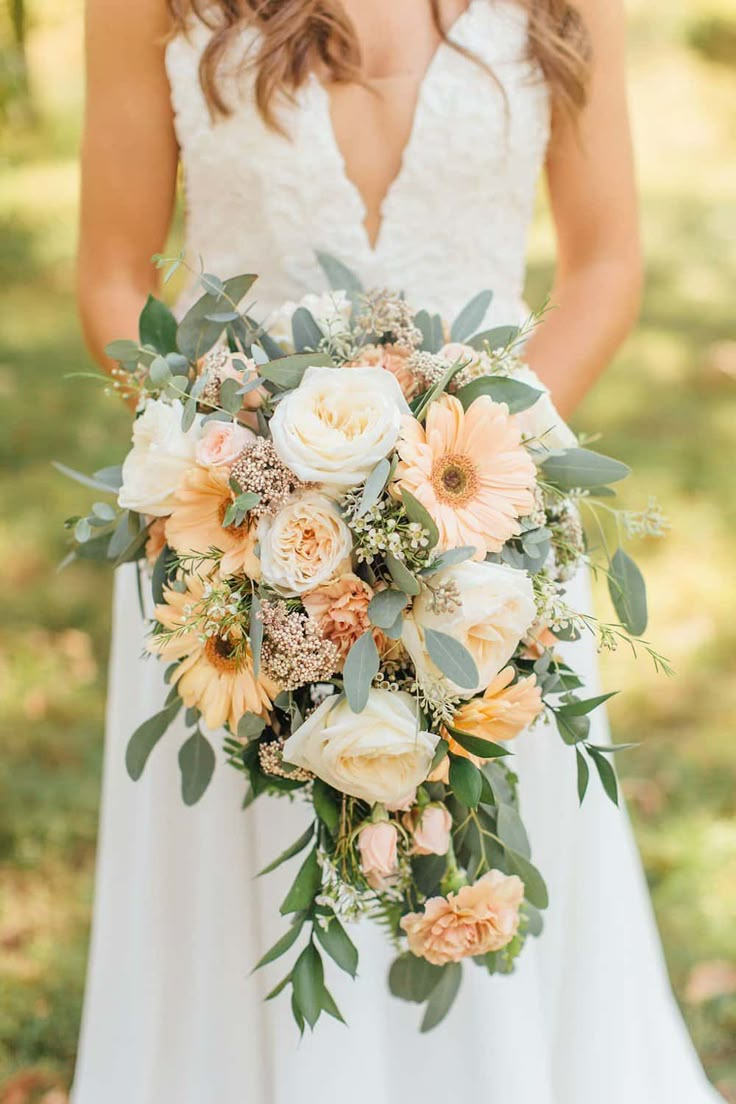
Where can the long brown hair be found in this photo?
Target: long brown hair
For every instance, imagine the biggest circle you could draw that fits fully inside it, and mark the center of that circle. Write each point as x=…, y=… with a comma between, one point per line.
x=299, y=36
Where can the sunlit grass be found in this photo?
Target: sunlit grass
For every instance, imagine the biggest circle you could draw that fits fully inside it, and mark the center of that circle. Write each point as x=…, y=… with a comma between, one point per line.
x=668, y=406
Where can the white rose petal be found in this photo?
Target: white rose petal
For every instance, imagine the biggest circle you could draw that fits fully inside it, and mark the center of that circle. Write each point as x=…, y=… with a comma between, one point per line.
x=337, y=424
x=377, y=755
x=497, y=607
x=542, y=420
x=160, y=456
x=305, y=545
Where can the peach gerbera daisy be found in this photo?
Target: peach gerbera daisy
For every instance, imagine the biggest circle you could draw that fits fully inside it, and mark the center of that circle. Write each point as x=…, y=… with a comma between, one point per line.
x=470, y=472
x=195, y=524
x=504, y=711
x=216, y=674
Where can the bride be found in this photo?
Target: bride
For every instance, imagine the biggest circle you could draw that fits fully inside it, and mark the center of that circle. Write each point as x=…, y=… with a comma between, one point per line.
x=405, y=137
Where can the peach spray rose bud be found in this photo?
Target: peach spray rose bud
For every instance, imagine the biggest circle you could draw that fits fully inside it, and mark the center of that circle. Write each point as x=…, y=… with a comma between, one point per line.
x=377, y=844
x=221, y=443
x=431, y=830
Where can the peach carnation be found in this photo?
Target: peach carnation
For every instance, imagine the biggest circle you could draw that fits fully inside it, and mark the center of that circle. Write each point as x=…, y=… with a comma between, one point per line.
x=478, y=919
x=395, y=359
x=195, y=524
x=341, y=610
x=156, y=541
x=504, y=711
x=470, y=472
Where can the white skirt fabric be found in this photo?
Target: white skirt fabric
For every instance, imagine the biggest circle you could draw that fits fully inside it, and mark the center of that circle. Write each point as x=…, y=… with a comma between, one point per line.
x=173, y=1015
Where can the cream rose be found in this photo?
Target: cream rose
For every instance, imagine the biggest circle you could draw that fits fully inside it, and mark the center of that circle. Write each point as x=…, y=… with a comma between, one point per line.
x=162, y=452
x=496, y=609
x=305, y=545
x=542, y=420
x=336, y=425
x=331, y=312
x=221, y=443
x=377, y=755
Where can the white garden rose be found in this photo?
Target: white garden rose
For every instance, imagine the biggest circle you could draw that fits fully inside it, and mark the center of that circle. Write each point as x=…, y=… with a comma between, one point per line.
x=377, y=755
x=162, y=452
x=331, y=312
x=496, y=609
x=337, y=424
x=542, y=420
x=305, y=545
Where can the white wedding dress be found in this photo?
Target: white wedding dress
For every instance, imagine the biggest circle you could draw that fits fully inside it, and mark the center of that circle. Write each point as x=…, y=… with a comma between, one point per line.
x=172, y=1013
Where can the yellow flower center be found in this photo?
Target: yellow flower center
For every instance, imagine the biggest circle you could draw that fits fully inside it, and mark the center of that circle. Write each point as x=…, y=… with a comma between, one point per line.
x=223, y=654
x=454, y=479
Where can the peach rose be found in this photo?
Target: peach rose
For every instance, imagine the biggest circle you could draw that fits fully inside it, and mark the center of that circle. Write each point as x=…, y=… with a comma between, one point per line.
x=456, y=351
x=504, y=710
x=341, y=610
x=537, y=640
x=156, y=539
x=430, y=828
x=394, y=358
x=377, y=844
x=478, y=919
x=221, y=443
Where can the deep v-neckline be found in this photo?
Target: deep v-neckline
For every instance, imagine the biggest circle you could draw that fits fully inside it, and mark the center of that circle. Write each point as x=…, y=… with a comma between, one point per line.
x=372, y=248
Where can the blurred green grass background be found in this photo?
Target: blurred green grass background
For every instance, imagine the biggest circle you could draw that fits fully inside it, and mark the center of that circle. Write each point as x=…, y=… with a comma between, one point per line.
x=667, y=406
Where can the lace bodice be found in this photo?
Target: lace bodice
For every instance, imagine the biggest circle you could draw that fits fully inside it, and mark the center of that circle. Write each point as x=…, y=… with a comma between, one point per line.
x=454, y=221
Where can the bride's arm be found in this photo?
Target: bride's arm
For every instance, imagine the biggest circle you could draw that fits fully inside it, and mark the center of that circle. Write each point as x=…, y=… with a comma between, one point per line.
x=129, y=160
x=590, y=176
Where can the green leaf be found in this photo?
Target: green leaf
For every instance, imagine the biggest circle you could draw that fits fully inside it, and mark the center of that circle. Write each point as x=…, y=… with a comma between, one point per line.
x=326, y=804
x=306, y=332
x=134, y=549
x=497, y=338
x=157, y=326
x=574, y=468
x=361, y=667
x=104, y=511
x=329, y=1006
x=197, y=765
x=286, y=372
x=628, y=593
x=339, y=276
x=449, y=558
x=535, y=890
x=159, y=576
x=606, y=773
x=412, y=978
x=82, y=531
x=518, y=396
x=453, y=658
x=443, y=996
x=145, y=738
x=373, y=487
x=471, y=316
x=440, y=752
x=189, y=413
x=579, y=707
x=230, y=397
x=125, y=352
x=256, y=633
x=339, y=945
x=385, y=606
x=572, y=729
x=583, y=775
x=401, y=575
x=290, y=852
x=476, y=745
x=418, y=514
x=250, y=726
x=465, y=781
x=195, y=334
x=86, y=480
x=281, y=946
x=307, y=885
x=111, y=477
x=308, y=980
x=423, y=322
x=278, y=988
x=511, y=830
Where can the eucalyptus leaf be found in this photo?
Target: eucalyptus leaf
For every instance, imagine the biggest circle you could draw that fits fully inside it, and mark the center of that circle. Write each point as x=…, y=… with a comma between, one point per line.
x=511, y=830
x=401, y=575
x=197, y=765
x=628, y=592
x=418, y=514
x=306, y=332
x=497, y=338
x=111, y=478
x=287, y=372
x=423, y=322
x=339, y=276
x=360, y=668
x=412, y=978
x=250, y=727
x=574, y=468
x=453, y=658
x=195, y=334
x=146, y=736
x=449, y=558
x=95, y=483
x=385, y=607
x=443, y=996
x=157, y=326
x=230, y=397
x=535, y=889
x=518, y=396
x=471, y=316
x=256, y=633
x=373, y=487
x=188, y=414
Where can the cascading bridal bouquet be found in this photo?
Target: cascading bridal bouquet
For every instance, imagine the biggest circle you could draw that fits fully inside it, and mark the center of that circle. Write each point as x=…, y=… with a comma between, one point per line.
x=359, y=526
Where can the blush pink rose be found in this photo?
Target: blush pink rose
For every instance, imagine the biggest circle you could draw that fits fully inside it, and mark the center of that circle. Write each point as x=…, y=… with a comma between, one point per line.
x=377, y=844
x=430, y=828
x=221, y=443
x=393, y=359
x=480, y=918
